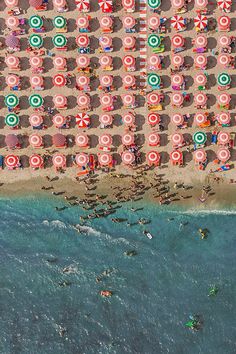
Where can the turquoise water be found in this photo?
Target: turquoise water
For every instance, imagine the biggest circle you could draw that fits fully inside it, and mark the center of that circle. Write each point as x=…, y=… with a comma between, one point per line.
x=154, y=292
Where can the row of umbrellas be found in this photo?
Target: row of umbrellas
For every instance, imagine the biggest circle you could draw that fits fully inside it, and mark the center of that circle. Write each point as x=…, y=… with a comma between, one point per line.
x=224, y=5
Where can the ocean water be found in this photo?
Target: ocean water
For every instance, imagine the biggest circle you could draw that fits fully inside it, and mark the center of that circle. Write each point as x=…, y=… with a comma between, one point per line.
x=154, y=291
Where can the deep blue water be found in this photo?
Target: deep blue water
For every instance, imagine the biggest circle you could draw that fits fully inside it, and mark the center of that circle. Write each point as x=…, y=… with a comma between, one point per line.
x=154, y=292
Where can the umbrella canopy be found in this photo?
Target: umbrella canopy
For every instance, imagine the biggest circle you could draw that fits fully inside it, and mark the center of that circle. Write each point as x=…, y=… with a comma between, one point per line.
x=82, y=40
x=82, y=22
x=127, y=139
x=36, y=101
x=201, y=41
x=154, y=61
x=128, y=99
x=106, y=119
x=83, y=100
x=128, y=22
x=11, y=140
x=12, y=161
x=59, y=140
x=177, y=119
x=59, y=22
x=59, y=3
x=106, y=22
x=177, y=22
x=105, y=159
x=200, y=155
x=105, y=140
x=154, y=118
x=106, y=80
x=36, y=62
x=59, y=80
x=177, y=80
x=128, y=42
x=153, y=98
x=177, y=139
x=154, y=80
x=59, y=160
x=176, y=156
x=35, y=3
x=224, y=4
x=81, y=159
x=59, y=62
x=36, y=161
x=11, y=101
x=11, y=3
x=223, y=118
x=200, y=22
x=223, y=22
x=127, y=157
x=129, y=80
x=154, y=22
x=154, y=139
x=177, y=4
x=200, y=61
x=177, y=41
x=83, y=5
x=200, y=99
x=59, y=120
x=36, y=81
x=12, y=22
x=12, y=120
x=154, y=41
x=128, y=4
x=224, y=99
x=200, y=118
x=83, y=61
x=223, y=154
x=128, y=118
x=223, y=59
x=12, y=80
x=35, y=22
x=199, y=138
x=128, y=61
x=82, y=140
x=12, y=41
x=35, y=120
x=35, y=41
x=200, y=79
x=82, y=120
x=223, y=79
x=83, y=81
x=153, y=157
x=177, y=60
x=36, y=140
x=224, y=41
x=201, y=4
x=59, y=41
x=154, y=4
x=223, y=138
x=177, y=99
x=60, y=101
x=106, y=99
x=105, y=61
x=105, y=5
x=12, y=61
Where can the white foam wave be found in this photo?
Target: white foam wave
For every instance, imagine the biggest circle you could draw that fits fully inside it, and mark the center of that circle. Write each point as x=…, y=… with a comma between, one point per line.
x=55, y=223
x=209, y=211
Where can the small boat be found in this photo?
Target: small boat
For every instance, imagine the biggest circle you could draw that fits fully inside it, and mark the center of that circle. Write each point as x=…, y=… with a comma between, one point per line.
x=148, y=234
x=105, y=293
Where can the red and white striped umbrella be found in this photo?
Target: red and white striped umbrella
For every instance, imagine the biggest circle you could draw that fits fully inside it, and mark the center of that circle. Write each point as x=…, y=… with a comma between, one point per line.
x=36, y=161
x=177, y=99
x=59, y=101
x=36, y=81
x=154, y=60
x=200, y=61
x=35, y=140
x=223, y=22
x=177, y=80
x=153, y=157
x=200, y=99
x=177, y=4
x=83, y=100
x=223, y=138
x=200, y=79
x=176, y=156
x=177, y=41
x=128, y=118
x=177, y=60
x=129, y=80
x=105, y=60
x=106, y=99
x=223, y=59
x=128, y=22
x=224, y=41
x=154, y=118
x=177, y=139
x=128, y=4
x=59, y=120
x=224, y=98
x=200, y=118
x=12, y=22
x=59, y=62
x=224, y=4
x=12, y=80
x=35, y=120
x=106, y=22
x=36, y=62
x=11, y=3
x=105, y=140
x=153, y=139
x=201, y=41
x=154, y=22
x=83, y=61
x=127, y=157
x=12, y=161
x=127, y=139
x=223, y=118
x=104, y=159
x=177, y=119
x=59, y=3
x=81, y=159
x=106, y=119
x=128, y=99
x=200, y=155
x=200, y=22
x=82, y=40
x=82, y=22
x=153, y=98
x=177, y=22
x=82, y=80
x=201, y=4
x=82, y=120
x=83, y=5
x=82, y=140
x=128, y=61
x=128, y=42
x=106, y=80
x=59, y=160
x=12, y=61
x=59, y=80
x=105, y=41
x=105, y=5
x=223, y=154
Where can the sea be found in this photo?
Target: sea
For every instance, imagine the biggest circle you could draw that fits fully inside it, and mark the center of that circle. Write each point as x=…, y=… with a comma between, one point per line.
x=51, y=277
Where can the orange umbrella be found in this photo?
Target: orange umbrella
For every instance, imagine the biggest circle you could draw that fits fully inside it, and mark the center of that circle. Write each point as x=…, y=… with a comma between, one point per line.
x=201, y=41
x=224, y=99
x=154, y=62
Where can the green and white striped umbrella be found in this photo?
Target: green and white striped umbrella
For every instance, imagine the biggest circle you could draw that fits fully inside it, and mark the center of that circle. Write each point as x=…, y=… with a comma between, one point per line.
x=35, y=101
x=154, y=4
x=154, y=80
x=59, y=22
x=199, y=138
x=11, y=101
x=36, y=41
x=154, y=40
x=12, y=120
x=223, y=79
x=36, y=22
x=59, y=41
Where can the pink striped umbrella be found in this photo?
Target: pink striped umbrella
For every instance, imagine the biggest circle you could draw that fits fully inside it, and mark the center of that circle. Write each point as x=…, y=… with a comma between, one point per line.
x=154, y=118
x=11, y=3
x=12, y=22
x=154, y=61
x=59, y=80
x=177, y=80
x=201, y=41
x=223, y=23
x=223, y=154
x=223, y=138
x=35, y=120
x=128, y=100
x=106, y=80
x=129, y=61
x=36, y=161
x=82, y=40
x=200, y=79
x=177, y=60
x=105, y=159
x=200, y=61
x=127, y=157
x=128, y=118
x=177, y=4
x=128, y=4
x=153, y=139
x=59, y=160
x=127, y=139
x=83, y=100
x=177, y=99
x=154, y=22
x=129, y=80
x=36, y=81
x=128, y=22
x=200, y=118
x=153, y=98
x=200, y=155
x=153, y=157
x=12, y=61
x=82, y=140
x=176, y=156
x=223, y=118
x=105, y=41
x=60, y=101
x=177, y=139
x=224, y=98
x=106, y=22
x=223, y=59
x=35, y=140
x=105, y=61
x=105, y=140
x=82, y=22
x=83, y=61
x=224, y=41
x=200, y=99
x=59, y=62
x=12, y=161
x=177, y=119
x=82, y=81
x=128, y=42
x=106, y=99
x=106, y=119
x=59, y=120
x=201, y=4
x=59, y=3
x=177, y=41
x=81, y=159
x=12, y=80
x=36, y=62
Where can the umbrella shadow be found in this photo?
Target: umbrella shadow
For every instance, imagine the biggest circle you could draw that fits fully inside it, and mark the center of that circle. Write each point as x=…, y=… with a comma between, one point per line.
x=24, y=141
x=187, y=137
x=211, y=62
x=24, y=160
x=70, y=140
x=140, y=101
x=163, y=139
x=117, y=24
x=71, y=25
x=24, y=44
x=166, y=61
x=164, y=157
x=139, y=121
x=71, y=64
x=24, y=121
x=211, y=155
x=2, y=123
x=48, y=121
x=211, y=43
x=140, y=139
x=48, y=24
x=24, y=102
x=232, y=116
x=48, y=82
x=209, y=135
x=165, y=120
x=48, y=101
x=71, y=44
x=93, y=139
x=94, y=6
x=116, y=140
x=48, y=64
x=94, y=120
x=188, y=81
x=117, y=63
x=94, y=24
x=118, y=103
x=211, y=100
x=94, y=43
x=25, y=84
x=211, y=81
x=47, y=43
x=94, y=61
x=72, y=102
x=117, y=120
x=2, y=141
x=117, y=158
x=166, y=81
x=95, y=101
x=189, y=60
x=165, y=5
x=233, y=24
x=47, y=140
x=117, y=82
x=233, y=81
x=117, y=44
x=187, y=157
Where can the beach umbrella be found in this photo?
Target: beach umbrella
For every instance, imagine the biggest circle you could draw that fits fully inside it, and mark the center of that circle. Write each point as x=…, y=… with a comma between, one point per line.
x=12, y=80
x=59, y=3
x=128, y=99
x=105, y=159
x=83, y=100
x=154, y=139
x=154, y=22
x=82, y=120
x=177, y=119
x=223, y=22
x=154, y=4
x=200, y=79
x=12, y=161
x=177, y=139
x=59, y=41
x=59, y=160
x=223, y=79
x=224, y=41
x=154, y=80
x=105, y=61
x=127, y=157
x=106, y=119
x=36, y=81
x=83, y=5
x=176, y=156
x=223, y=154
x=224, y=4
x=60, y=101
x=128, y=4
x=177, y=22
x=200, y=155
x=36, y=62
x=154, y=61
x=224, y=99
x=35, y=3
x=200, y=99
x=59, y=140
x=12, y=120
x=12, y=22
x=201, y=41
x=82, y=40
x=11, y=3
x=200, y=118
x=223, y=59
x=106, y=22
x=105, y=140
x=81, y=159
x=36, y=161
x=83, y=81
x=35, y=120
x=223, y=138
x=177, y=80
x=177, y=4
x=106, y=80
x=11, y=101
x=154, y=118
x=35, y=140
x=177, y=60
x=82, y=22
x=128, y=22
x=12, y=41
x=59, y=22
x=35, y=22
x=177, y=41
x=223, y=118
x=153, y=157
x=128, y=61
x=82, y=140
x=153, y=98
x=200, y=61
x=201, y=4
x=11, y=140
x=177, y=99
x=199, y=138
x=36, y=101
x=129, y=80
x=106, y=99
x=105, y=5
x=83, y=61
x=59, y=80
x=200, y=22
x=154, y=40
x=128, y=42
x=59, y=120
x=128, y=118
x=127, y=139
x=12, y=61
x=59, y=62
x=35, y=41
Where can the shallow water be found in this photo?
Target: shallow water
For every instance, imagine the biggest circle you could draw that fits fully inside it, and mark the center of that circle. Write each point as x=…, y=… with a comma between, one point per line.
x=154, y=292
